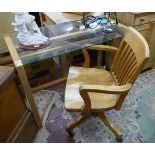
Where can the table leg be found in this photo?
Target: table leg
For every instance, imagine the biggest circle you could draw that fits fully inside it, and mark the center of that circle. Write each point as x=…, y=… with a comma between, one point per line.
x=28, y=94
x=23, y=78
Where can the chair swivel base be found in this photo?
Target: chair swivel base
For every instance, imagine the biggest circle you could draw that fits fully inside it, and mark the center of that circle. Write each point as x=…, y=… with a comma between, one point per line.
x=103, y=118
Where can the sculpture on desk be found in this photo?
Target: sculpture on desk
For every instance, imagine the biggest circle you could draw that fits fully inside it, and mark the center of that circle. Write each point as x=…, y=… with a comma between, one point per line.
x=29, y=34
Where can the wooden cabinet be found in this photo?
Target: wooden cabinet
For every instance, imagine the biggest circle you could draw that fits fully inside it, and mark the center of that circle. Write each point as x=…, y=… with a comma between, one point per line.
x=144, y=22
x=16, y=121
x=50, y=18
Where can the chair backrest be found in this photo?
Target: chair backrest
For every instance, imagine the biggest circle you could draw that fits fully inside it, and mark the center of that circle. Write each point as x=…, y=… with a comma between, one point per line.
x=129, y=61
x=130, y=58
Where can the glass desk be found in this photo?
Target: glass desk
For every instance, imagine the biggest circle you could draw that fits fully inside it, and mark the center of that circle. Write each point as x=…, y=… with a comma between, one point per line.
x=64, y=38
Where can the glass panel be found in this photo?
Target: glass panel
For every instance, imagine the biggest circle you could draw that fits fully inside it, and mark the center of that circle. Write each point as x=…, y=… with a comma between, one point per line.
x=64, y=38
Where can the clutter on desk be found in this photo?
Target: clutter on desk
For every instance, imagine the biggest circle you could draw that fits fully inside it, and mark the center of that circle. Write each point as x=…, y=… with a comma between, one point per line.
x=108, y=21
x=31, y=38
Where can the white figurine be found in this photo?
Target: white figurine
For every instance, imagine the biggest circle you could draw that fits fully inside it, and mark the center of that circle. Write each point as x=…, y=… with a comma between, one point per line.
x=28, y=31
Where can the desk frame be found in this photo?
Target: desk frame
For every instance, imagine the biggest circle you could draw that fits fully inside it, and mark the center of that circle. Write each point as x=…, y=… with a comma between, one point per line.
x=24, y=80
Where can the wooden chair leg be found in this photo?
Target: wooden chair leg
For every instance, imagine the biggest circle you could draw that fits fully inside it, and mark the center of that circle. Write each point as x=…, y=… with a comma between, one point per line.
x=107, y=122
x=76, y=123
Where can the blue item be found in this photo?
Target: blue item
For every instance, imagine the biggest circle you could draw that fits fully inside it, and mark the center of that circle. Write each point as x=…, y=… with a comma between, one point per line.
x=109, y=30
x=103, y=22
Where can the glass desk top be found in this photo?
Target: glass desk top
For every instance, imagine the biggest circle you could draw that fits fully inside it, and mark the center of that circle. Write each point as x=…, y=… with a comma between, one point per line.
x=64, y=38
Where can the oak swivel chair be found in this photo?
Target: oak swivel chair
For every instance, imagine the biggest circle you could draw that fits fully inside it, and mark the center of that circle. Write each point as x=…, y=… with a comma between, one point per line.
x=93, y=91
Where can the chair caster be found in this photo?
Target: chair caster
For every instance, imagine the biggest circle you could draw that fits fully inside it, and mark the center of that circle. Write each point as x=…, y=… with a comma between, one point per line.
x=70, y=133
x=120, y=140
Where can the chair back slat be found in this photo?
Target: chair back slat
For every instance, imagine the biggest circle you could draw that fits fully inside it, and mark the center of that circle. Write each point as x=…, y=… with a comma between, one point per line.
x=119, y=59
x=123, y=64
x=129, y=60
x=129, y=73
x=133, y=51
x=126, y=63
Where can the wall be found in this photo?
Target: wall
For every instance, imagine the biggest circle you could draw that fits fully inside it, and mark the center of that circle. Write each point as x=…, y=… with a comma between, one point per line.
x=6, y=18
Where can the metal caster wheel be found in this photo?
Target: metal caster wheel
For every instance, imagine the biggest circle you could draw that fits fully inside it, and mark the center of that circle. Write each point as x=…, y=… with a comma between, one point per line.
x=120, y=140
x=70, y=133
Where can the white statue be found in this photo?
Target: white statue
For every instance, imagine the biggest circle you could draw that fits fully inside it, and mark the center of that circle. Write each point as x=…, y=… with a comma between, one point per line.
x=28, y=31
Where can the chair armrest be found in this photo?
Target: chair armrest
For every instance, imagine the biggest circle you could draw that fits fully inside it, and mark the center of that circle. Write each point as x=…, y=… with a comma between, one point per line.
x=103, y=48
x=106, y=89
x=100, y=48
x=84, y=89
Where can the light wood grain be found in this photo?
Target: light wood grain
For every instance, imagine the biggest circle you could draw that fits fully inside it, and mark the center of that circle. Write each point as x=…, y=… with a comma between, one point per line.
x=5, y=60
x=92, y=91
x=143, y=22
x=23, y=78
x=79, y=76
x=132, y=18
x=100, y=49
x=49, y=84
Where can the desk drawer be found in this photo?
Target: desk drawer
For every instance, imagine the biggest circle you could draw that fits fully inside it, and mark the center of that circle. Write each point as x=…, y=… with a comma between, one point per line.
x=144, y=19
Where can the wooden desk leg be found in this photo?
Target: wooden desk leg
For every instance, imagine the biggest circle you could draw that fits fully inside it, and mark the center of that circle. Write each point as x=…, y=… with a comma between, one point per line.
x=28, y=93
x=23, y=78
x=63, y=65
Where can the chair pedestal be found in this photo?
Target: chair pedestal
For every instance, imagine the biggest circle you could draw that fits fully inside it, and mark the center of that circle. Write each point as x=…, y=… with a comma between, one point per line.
x=104, y=119
x=108, y=123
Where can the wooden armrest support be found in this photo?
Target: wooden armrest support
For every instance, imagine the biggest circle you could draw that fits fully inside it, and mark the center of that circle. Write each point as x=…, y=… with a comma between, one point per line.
x=99, y=48
x=106, y=89
x=103, y=48
x=84, y=89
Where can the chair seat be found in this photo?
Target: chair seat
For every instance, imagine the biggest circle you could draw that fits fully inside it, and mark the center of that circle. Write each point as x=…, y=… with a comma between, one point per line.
x=78, y=76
